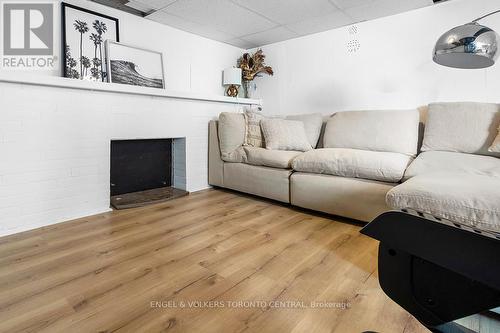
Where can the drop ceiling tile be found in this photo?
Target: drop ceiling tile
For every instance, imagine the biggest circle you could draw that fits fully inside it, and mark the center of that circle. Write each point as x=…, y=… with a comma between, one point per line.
x=155, y=4
x=344, y=4
x=241, y=43
x=161, y=17
x=381, y=8
x=171, y=20
x=139, y=6
x=252, y=23
x=322, y=23
x=288, y=11
x=214, y=34
x=223, y=15
x=270, y=36
x=192, y=27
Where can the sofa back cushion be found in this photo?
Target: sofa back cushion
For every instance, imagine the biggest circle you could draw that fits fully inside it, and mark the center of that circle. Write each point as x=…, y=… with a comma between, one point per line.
x=389, y=131
x=461, y=127
x=312, y=125
x=231, y=136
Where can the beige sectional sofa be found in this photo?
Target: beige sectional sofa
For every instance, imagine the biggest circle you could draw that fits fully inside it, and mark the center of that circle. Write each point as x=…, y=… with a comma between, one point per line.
x=369, y=162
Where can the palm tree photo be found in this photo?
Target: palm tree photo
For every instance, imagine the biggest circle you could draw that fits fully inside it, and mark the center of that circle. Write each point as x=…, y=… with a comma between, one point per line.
x=85, y=61
x=82, y=28
x=100, y=28
x=97, y=39
x=85, y=33
x=70, y=65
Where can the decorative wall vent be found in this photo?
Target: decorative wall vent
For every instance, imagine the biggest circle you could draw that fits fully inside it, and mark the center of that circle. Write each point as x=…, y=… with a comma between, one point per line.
x=353, y=46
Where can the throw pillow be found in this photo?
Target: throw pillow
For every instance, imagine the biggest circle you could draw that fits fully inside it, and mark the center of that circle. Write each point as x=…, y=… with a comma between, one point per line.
x=312, y=125
x=231, y=136
x=253, y=133
x=281, y=134
x=495, y=147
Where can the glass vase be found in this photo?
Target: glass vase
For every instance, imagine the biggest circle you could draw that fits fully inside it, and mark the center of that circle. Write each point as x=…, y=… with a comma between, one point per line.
x=250, y=89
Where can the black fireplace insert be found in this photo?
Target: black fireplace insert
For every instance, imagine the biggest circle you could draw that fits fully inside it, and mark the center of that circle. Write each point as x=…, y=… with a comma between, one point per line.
x=139, y=165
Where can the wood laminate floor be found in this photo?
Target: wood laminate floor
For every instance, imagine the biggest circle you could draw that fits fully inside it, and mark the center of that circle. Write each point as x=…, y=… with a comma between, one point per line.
x=213, y=252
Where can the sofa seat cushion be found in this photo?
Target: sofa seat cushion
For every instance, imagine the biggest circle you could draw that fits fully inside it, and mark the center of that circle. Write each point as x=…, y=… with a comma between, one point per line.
x=272, y=158
x=465, y=198
x=355, y=198
x=266, y=182
x=442, y=161
x=381, y=166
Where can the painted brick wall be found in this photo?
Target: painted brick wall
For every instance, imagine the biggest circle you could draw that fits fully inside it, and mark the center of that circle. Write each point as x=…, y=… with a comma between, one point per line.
x=55, y=146
x=55, y=143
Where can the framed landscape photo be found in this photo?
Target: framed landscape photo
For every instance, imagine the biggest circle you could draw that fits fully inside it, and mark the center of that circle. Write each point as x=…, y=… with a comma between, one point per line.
x=84, y=35
x=135, y=66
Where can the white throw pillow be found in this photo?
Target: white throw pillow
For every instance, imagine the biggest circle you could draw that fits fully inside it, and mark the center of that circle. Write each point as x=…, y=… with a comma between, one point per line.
x=253, y=133
x=461, y=127
x=281, y=134
x=312, y=125
x=495, y=147
x=231, y=136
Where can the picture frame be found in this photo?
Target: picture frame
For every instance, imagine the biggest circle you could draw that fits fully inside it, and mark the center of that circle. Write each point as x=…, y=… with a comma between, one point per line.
x=84, y=33
x=133, y=65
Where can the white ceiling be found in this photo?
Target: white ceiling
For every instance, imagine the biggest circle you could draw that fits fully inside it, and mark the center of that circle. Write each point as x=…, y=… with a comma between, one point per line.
x=251, y=23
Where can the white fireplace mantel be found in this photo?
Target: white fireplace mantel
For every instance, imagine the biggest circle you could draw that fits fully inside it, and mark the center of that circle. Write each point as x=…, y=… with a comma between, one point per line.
x=61, y=82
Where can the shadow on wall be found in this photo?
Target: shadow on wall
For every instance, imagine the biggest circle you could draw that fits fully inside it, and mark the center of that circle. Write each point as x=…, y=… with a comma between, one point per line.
x=322, y=97
x=374, y=85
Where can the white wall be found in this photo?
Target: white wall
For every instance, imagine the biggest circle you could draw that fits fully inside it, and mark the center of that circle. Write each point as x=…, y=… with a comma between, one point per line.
x=392, y=69
x=192, y=63
x=54, y=143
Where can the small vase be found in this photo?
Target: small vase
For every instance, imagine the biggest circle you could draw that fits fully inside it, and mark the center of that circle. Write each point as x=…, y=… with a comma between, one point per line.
x=250, y=88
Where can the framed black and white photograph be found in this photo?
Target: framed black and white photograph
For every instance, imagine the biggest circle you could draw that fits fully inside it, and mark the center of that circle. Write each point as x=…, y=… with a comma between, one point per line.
x=135, y=66
x=84, y=35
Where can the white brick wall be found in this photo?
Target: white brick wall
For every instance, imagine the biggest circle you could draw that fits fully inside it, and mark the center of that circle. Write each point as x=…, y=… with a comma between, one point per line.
x=55, y=143
x=179, y=163
x=54, y=153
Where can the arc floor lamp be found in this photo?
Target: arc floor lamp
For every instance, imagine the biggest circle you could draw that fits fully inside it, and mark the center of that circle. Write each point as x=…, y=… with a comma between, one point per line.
x=471, y=45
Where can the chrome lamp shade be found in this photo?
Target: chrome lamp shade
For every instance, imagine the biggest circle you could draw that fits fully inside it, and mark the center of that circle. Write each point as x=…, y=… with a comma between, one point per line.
x=467, y=46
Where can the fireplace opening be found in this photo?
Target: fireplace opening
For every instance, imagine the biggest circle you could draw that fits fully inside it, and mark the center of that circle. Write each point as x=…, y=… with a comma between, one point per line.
x=144, y=171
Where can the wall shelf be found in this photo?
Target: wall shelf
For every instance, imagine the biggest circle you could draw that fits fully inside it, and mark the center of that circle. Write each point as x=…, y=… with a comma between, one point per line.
x=61, y=82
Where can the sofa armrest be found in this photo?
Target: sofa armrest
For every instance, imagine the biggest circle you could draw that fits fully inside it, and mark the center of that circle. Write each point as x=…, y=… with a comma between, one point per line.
x=215, y=163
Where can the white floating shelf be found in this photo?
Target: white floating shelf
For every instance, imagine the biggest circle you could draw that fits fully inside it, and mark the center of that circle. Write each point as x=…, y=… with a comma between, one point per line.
x=61, y=82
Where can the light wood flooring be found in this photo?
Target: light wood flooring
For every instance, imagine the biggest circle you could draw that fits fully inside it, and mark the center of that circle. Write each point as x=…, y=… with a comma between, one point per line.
x=104, y=273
